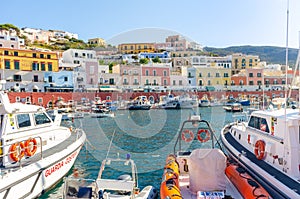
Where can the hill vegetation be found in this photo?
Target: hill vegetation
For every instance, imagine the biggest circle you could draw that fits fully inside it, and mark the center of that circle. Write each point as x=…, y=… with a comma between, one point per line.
x=270, y=54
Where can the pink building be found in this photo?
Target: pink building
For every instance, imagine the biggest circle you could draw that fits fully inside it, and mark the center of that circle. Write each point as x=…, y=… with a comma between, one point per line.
x=156, y=75
x=130, y=75
x=254, y=76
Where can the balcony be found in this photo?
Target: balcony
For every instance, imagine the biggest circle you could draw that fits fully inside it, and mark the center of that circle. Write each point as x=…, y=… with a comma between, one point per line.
x=125, y=83
x=135, y=83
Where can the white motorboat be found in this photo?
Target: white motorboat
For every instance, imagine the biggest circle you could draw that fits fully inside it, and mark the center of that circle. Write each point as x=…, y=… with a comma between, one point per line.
x=198, y=170
x=267, y=146
x=100, y=110
x=35, y=152
x=168, y=102
x=124, y=186
x=187, y=102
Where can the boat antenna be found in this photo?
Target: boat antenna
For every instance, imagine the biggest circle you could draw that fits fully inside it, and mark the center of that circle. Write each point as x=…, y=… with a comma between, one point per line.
x=110, y=144
x=286, y=56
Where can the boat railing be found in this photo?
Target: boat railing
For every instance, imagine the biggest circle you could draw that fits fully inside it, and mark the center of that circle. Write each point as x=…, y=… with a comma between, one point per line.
x=21, y=150
x=196, y=123
x=272, y=137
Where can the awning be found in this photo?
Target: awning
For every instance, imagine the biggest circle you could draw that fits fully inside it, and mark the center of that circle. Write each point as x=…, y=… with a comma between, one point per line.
x=92, y=89
x=110, y=89
x=21, y=73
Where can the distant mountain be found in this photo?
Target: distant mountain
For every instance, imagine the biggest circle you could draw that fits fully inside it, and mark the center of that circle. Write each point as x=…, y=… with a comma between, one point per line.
x=270, y=54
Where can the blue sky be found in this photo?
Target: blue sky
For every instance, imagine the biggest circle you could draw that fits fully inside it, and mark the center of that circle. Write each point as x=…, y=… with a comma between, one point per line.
x=214, y=23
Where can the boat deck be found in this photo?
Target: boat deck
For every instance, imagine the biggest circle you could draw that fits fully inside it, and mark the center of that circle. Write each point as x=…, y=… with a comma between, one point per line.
x=187, y=194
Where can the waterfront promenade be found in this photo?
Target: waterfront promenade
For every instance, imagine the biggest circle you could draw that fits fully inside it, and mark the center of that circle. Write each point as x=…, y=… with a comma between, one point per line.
x=43, y=98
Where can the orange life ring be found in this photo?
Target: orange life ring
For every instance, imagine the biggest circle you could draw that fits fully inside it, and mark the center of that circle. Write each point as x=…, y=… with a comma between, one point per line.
x=188, y=138
x=30, y=146
x=16, y=151
x=201, y=138
x=259, y=149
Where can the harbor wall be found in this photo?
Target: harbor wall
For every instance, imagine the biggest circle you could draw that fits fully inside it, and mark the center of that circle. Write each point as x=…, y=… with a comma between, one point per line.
x=43, y=98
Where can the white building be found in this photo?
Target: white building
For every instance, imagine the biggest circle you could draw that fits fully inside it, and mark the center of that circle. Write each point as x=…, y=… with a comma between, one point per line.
x=86, y=74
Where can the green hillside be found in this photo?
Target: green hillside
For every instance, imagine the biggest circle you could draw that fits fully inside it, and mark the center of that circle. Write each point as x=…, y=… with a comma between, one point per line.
x=270, y=54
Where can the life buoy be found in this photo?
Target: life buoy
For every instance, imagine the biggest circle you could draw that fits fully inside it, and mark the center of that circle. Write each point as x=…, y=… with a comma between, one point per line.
x=259, y=149
x=16, y=151
x=188, y=138
x=30, y=147
x=202, y=138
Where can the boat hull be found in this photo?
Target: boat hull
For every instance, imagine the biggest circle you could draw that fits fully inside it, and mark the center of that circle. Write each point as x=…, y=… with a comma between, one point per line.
x=276, y=183
x=34, y=179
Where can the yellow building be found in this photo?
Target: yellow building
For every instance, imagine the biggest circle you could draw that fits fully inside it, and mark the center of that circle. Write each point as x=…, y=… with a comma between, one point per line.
x=135, y=48
x=28, y=60
x=240, y=61
x=213, y=76
x=97, y=42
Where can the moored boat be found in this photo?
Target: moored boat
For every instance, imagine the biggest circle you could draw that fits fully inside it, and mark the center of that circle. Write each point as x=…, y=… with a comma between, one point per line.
x=124, y=186
x=267, y=146
x=234, y=107
x=139, y=103
x=35, y=151
x=197, y=169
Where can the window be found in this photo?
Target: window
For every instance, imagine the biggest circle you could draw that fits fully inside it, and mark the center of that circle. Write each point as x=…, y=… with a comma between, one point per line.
x=41, y=118
x=35, y=78
x=200, y=74
x=200, y=83
x=258, y=82
x=147, y=73
x=250, y=74
x=35, y=66
x=48, y=56
x=259, y=124
x=283, y=81
x=17, y=65
x=6, y=52
x=16, y=53
x=66, y=79
x=226, y=75
x=165, y=82
x=41, y=55
x=217, y=74
x=165, y=73
x=174, y=82
x=251, y=83
x=34, y=55
x=208, y=74
x=208, y=82
x=50, y=67
x=43, y=68
x=154, y=82
x=17, y=78
x=258, y=74
x=154, y=72
x=180, y=82
x=7, y=64
x=50, y=79
x=147, y=82
x=23, y=120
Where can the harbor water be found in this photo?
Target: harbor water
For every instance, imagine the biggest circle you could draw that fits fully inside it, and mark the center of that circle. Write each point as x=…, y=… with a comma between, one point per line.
x=147, y=135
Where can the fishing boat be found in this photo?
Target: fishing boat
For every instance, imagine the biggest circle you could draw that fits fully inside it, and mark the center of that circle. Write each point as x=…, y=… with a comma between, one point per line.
x=198, y=170
x=233, y=107
x=35, y=152
x=204, y=101
x=125, y=186
x=267, y=145
x=139, y=103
